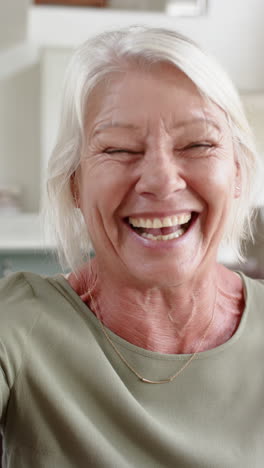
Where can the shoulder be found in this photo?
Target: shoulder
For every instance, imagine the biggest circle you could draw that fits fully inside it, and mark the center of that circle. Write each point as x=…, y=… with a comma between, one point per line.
x=19, y=289
x=254, y=290
x=14, y=288
x=29, y=303
x=240, y=285
x=18, y=314
x=23, y=297
x=18, y=301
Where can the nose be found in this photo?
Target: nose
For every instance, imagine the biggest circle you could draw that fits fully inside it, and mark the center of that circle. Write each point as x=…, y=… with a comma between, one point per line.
x=161, y=175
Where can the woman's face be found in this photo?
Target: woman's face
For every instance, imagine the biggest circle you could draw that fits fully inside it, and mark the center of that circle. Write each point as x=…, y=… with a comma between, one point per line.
x=157, y=177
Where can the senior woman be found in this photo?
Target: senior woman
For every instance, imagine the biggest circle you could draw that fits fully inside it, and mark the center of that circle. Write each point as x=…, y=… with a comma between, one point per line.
x=149, y=354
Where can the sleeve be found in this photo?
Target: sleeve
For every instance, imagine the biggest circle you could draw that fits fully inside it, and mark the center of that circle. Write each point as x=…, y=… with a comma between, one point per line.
x=15, y=322
x=4, y=393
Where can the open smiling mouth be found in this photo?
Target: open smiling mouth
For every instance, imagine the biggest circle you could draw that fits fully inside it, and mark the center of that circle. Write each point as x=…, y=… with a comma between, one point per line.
x=162, y=229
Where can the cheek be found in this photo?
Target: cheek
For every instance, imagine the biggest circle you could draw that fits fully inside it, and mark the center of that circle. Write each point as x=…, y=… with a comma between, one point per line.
x=103, y=188
x=213, y=182
x=214, y=176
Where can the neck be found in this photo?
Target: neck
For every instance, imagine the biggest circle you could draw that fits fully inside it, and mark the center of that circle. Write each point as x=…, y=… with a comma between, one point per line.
x=171, y=321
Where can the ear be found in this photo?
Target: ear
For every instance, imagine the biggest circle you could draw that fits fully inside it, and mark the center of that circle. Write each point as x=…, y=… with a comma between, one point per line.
x=75, y=190
x=237, y=188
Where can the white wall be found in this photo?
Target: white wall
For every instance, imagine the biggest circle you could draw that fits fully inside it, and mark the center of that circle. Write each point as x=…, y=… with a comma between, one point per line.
x=233, y=31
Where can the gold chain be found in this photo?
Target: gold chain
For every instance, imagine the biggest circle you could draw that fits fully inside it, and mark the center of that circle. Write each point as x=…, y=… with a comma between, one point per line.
x=135, y=372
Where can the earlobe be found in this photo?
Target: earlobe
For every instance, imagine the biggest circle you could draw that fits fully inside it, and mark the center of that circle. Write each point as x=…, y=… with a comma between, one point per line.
x=75, y=190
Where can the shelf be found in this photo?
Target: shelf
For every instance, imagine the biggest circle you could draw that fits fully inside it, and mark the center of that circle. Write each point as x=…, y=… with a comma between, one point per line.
x=22, y=232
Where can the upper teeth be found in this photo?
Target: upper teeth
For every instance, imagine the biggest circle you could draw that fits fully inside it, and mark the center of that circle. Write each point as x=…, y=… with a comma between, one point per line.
x=160, y=222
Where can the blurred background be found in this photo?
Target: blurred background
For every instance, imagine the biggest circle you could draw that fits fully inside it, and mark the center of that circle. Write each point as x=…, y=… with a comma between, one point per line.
x=36, y=41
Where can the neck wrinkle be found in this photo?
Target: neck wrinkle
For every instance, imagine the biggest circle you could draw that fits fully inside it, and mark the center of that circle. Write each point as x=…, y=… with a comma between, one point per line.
x=148, y=320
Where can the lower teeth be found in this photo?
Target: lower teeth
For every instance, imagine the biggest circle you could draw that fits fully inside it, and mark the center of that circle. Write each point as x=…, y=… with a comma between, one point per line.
x=174, y=235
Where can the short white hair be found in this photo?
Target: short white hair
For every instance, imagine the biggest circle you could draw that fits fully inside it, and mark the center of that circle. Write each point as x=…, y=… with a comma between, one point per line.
x=111, y=52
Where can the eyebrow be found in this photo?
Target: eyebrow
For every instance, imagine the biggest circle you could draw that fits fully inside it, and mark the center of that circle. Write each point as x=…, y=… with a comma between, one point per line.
x=128, y=126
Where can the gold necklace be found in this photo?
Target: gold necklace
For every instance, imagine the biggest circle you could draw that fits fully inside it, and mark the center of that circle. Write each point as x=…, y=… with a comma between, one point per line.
x=135, y=372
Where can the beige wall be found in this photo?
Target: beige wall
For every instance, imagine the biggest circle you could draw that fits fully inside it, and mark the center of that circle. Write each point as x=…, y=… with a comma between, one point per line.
x=13, y=21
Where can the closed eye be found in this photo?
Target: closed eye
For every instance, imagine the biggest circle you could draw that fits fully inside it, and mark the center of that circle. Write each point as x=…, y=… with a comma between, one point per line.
x=120, y=151
x=200, y=145
x=111, y=151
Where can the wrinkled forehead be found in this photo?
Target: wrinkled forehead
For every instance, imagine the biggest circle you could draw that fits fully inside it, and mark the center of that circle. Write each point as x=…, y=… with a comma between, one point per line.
x=137, y=97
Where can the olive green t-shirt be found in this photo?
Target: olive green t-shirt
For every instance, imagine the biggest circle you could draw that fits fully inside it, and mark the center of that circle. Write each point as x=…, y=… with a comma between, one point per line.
x=68, y=401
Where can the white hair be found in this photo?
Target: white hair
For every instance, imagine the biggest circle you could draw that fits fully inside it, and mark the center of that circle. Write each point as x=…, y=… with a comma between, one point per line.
x=109, y=53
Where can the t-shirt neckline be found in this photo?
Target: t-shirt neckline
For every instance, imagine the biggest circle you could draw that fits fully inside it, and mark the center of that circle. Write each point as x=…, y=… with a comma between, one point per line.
x=154, y=354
